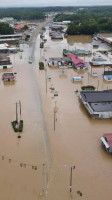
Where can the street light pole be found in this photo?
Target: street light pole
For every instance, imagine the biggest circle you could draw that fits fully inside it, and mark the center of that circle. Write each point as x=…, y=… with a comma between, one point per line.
x=46, y=73
x=55, y=114
x=71, y=178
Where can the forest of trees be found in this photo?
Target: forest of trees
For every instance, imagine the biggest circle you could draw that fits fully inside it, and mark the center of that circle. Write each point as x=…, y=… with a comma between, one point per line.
x=84, y=20
x=5, y=29
x=22, y=13
x=88, y=21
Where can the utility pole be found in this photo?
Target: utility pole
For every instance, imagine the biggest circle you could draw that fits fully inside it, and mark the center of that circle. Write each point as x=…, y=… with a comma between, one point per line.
x=55, y=115
x=46, y=74
x=54, y=119
x=71, y=178
x=104, y=67
x=20, y=108
x=91, y=70
x=16, y=114
x=46, y=84
x=98, y=85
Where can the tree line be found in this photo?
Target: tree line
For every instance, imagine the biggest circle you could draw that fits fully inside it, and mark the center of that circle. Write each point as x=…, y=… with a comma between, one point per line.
x=22, y=13
x=5, y=29
x=88, y=21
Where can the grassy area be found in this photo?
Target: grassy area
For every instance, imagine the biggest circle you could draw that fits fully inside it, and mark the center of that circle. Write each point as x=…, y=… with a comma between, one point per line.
x=18, y=127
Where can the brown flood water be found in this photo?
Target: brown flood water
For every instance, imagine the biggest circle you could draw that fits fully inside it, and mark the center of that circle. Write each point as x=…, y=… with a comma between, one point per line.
x=76, y=139
x=21, y=182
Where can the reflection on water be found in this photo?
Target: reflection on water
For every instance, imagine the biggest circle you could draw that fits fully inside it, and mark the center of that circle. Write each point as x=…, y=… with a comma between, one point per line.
x=9, y=83
x=62, y=76
x=6, y=70
x=77, y=138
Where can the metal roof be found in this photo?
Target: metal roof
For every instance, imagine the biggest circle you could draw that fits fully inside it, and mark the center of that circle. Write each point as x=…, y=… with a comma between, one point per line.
x=14, y=35
x=97, y=96
x=101, y=107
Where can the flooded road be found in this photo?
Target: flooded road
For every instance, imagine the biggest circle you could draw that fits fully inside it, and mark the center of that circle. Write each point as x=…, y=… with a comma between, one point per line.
x=23, y=161
x=76, y=139
x=74, y=142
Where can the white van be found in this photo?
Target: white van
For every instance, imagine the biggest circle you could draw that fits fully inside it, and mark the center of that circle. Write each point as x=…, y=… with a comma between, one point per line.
x=78, y=78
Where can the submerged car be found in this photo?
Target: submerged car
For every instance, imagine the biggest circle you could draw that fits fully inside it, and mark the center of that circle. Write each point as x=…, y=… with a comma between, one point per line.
x=107, y=142
x=8, y=76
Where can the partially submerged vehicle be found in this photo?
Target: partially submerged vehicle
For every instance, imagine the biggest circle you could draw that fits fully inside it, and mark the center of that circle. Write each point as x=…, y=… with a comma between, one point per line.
x=8, y=76
x=107, y=142
x=94, y=74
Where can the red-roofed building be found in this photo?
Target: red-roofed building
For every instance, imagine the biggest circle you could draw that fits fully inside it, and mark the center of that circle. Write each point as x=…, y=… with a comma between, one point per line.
x=19, y=28
x=107, y=142
x=77, y=62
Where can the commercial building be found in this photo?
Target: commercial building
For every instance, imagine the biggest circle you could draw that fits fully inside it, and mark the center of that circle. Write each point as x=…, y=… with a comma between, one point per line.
x=77, y=62
x=5, y=62
x=105, y=37
x=60, y=62
x=97, y=103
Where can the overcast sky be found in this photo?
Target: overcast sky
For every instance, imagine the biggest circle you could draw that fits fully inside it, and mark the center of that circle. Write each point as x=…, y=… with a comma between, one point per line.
x=10, y=3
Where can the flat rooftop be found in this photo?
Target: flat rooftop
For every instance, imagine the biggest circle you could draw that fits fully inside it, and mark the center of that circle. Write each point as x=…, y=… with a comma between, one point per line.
x=101, y=107
x=99, y=101
x=60, y=59
x=97, y=96
x=14, y=35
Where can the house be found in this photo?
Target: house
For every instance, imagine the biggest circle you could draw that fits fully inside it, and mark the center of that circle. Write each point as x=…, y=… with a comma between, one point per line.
x=97, y=103
x=5, y=62
x=8, y=77
x=77, y=62
x=107, y=75
x=5, y=48
x=107, y=142
x=19, y=28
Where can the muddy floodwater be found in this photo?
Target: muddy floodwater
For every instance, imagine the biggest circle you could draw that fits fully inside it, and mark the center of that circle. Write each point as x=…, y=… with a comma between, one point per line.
x=58, y=132
x=76, y=138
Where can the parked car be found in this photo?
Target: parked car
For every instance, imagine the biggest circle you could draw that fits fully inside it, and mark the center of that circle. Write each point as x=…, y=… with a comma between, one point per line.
x=30, y=61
